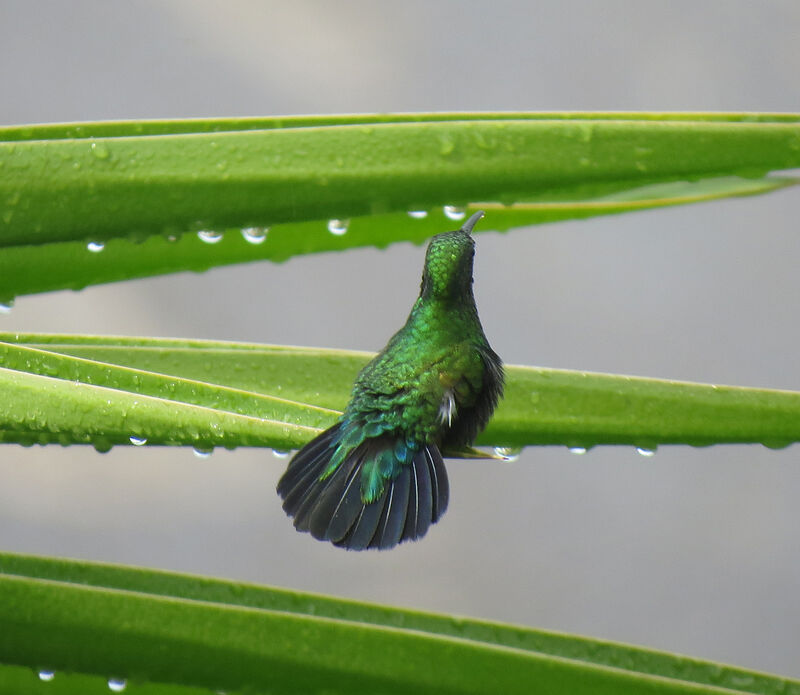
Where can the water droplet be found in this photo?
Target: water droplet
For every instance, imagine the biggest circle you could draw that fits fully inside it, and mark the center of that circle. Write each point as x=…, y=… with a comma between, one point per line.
x=585, y=131
x=46, y=675
x=776, y=443
x=117, y=685
x=481, y=141
x=508, y=453
x=209, y=236
x=95, y=246
x=138, y=441
x=453, y=212
x=338, y=227
x=203, y=452
x=255, y=235
x=446, y=145
x=647, y=453
x=102, y=445
x=577, y=450
x=6, y=307
x=458, y=622
x=742, y=681
x=278, y=454
x=418, y=214
x=100, y=150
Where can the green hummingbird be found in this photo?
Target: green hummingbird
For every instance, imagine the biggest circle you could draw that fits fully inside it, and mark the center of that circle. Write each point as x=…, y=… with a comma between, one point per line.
x=376, y=478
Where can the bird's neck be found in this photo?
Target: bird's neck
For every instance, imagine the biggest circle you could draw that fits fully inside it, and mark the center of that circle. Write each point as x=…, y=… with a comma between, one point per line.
x=444, y=314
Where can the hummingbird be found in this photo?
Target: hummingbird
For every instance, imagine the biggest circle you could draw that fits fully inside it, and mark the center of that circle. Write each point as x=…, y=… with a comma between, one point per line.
x=376, y=478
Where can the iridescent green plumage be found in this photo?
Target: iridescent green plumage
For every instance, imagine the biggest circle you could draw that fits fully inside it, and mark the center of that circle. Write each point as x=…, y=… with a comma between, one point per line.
x=377, y=478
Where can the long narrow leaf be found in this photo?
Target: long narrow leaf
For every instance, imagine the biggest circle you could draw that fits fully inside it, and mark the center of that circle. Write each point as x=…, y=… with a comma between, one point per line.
x=55, y=131
x=65, y=185
x=60, y=190
x=72, y=265
x=156, y=627
x=103, y=391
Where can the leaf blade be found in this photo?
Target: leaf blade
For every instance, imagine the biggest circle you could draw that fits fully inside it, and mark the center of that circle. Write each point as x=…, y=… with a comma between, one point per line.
x=247, y=634
x=47, y=267
x=305, y=388
x=63, y=190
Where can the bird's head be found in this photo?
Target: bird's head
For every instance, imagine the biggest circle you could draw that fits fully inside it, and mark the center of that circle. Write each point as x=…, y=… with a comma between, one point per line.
x=448, y=263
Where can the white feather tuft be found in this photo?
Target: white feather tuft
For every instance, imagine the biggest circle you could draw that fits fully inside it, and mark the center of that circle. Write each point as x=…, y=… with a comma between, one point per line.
x=447, y=408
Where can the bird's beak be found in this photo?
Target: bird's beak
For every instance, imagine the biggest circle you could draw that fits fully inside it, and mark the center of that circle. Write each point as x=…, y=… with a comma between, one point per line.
x=471, y=222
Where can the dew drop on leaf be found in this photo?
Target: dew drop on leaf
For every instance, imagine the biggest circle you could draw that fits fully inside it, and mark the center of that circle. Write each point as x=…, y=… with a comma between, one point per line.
x=102, y=445
x=418, y=214
x=138, y=441
x=454, y=212
x=508, y=453
x=100, y=150
x=209, y=236
x=95, y=246
x=647, y=453
x=338, y=227
x=577, y=450
x=203, y=452
x=117, y=685
x=255, y=235
x=46, y=675
x=446, y=145
x=776, y=444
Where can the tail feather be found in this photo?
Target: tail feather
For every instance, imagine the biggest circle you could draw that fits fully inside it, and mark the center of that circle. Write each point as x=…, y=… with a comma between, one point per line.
x=439, y=482
x=298, y=499
x=390, y=529
x=331, y=505
x=308, y=460
x=302, y=484
x=339, y=506
x=363, y=530
x=417, y=525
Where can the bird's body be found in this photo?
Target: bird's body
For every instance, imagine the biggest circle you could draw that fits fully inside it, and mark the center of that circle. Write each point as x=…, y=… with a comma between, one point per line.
x=376, y=478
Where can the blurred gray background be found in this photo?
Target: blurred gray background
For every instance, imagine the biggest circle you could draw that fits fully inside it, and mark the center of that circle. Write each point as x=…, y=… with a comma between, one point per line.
x=694, y=551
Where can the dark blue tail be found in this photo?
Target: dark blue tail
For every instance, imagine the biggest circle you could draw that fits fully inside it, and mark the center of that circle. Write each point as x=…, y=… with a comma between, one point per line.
x=333, y=510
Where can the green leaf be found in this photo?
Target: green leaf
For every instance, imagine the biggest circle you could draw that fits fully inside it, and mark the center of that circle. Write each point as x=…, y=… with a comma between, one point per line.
x=53, y=397
x=147, y=182
x=162, y=630
x=134, y=186
x=103, y=391
x=69, y=265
